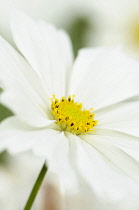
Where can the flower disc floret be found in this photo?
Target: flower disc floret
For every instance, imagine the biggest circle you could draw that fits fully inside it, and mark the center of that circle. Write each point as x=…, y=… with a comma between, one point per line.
x=71, y=116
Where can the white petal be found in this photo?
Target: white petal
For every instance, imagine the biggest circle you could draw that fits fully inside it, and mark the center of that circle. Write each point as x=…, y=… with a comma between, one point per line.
x=53, y=145
x=84, y=198
x=101, y=170
x=14, y=123
x=123, y=117
x=104, y=76
x=75, y=190
x=47, y=49
x=126, y=142
x=24, y=93
x=16, y=136
x=118, y=157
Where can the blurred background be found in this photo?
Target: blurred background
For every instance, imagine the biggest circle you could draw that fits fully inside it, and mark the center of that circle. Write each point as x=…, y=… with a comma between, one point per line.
x=89, y=23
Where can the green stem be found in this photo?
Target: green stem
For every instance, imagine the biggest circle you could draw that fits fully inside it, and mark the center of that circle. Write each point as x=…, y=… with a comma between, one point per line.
x=36, y=187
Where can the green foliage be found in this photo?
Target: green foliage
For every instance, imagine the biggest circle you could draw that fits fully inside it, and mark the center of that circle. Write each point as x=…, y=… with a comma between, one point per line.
x=4, y=112
x=78, y=30
x=4, y=158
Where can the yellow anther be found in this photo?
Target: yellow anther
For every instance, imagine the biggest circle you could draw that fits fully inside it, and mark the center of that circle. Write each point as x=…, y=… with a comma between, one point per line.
x=71, y=117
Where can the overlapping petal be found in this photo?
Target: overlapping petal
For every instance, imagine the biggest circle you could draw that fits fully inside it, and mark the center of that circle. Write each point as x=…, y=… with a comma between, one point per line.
x=17, y=136
x=109, y=170
x=122, y=117
x=104, y=76
x=47, y=49
x=24, y=93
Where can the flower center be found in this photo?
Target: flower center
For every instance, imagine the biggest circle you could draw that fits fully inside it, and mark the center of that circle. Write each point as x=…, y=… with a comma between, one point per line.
x=132, y=34
x=71, y=116
x=135, y=34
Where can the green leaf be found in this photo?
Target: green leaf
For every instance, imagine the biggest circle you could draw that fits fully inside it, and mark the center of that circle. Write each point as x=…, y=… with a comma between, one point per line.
x=4, y=112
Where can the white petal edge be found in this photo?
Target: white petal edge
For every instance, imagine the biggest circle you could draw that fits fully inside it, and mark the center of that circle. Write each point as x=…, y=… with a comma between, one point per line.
x=17, y=136
x=119, y=158
x=47, y=49
x=107, y=181
x=103, y=76
x=24, y=93
x=122, y=117
x=126, y=142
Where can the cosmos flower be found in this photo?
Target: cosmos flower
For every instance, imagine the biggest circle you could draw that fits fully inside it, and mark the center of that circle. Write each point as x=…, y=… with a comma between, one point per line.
x=75, y=114
x=120, y=29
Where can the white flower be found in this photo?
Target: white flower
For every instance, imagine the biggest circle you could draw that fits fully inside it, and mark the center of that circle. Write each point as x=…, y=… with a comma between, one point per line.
x=103, y=160
x=119, y=23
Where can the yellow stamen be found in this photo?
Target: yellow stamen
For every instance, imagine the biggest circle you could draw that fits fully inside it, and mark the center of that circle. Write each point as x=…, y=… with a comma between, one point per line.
x=71, y=117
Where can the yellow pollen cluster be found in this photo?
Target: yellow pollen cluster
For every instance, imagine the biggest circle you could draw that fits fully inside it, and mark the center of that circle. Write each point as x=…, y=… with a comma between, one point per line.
x=71, y=117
